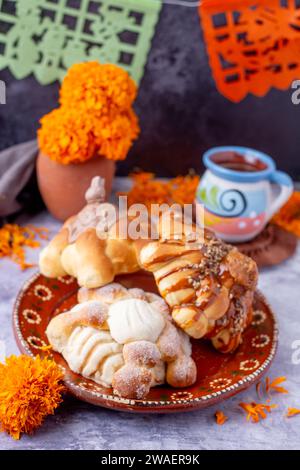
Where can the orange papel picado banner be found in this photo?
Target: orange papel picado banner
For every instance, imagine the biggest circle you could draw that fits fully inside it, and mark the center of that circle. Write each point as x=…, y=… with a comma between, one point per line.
x=253, y=45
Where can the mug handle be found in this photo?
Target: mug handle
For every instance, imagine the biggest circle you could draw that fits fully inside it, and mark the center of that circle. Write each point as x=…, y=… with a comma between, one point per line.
x=281, y=179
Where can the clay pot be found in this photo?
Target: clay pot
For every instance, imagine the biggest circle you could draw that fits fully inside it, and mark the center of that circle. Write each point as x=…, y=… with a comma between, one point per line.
x=63, y=186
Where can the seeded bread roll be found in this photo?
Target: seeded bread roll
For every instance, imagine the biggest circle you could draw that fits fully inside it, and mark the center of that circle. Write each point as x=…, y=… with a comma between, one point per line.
x=208, y=284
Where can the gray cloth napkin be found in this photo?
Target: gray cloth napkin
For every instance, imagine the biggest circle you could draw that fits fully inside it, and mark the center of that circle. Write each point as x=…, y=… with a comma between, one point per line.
x=16, y=167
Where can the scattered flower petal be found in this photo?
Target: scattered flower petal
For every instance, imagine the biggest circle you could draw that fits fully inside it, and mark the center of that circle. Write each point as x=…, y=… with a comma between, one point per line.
x=220, y=417
x=256, y=411
x=148, y=190
x=14, y=239
x=289, y=215
x=274, y=385
x=258, y=389
x=292, y=412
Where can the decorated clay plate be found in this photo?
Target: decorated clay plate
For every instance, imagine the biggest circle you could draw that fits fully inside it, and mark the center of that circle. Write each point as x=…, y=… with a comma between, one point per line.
x=219, y=375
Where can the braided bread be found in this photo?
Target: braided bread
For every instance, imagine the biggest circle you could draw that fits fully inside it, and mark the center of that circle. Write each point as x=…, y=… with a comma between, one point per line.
x=208, y=285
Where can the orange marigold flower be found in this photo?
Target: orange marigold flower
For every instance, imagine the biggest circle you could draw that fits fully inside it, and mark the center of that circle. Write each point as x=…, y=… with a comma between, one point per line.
x=183, y=189
x=30, y=389
x=148, y=190
x=289, y=215
x=66, y=136
x=115, y=137
x=220, y=417
x=95, y=116
x=256, y=411
x=99, y=88
x=14, y=239
x=292, y=412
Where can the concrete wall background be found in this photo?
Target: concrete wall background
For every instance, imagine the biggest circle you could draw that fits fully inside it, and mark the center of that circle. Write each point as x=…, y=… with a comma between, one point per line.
x=181, y=112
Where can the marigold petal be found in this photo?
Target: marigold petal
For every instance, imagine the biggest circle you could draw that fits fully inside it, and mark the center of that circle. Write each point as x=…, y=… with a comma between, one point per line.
x=14, y=239
x=220, y=417
x=256, y=411
x=292, y=412
x=274, y=385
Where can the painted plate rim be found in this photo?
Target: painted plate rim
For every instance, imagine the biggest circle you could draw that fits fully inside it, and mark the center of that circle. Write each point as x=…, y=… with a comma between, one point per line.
x=150, y=406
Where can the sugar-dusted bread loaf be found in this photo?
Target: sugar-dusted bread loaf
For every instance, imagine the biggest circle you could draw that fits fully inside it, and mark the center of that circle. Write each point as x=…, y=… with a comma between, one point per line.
x=125, y=338
x=82, y=337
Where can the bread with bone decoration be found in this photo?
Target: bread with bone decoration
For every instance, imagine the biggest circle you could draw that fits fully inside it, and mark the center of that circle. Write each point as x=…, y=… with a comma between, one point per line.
x=126, y=340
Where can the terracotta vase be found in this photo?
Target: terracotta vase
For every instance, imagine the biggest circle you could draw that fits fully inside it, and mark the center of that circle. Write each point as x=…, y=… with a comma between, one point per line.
x=63, y=186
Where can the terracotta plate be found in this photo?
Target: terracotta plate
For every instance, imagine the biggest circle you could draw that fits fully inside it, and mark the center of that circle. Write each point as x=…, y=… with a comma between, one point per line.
x=219, y=376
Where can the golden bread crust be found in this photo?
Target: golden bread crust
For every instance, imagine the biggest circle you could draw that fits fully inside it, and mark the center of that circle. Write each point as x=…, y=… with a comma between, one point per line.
x=208, y=285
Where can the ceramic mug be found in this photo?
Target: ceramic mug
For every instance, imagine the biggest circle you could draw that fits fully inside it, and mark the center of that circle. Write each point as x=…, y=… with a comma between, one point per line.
x=241, y=190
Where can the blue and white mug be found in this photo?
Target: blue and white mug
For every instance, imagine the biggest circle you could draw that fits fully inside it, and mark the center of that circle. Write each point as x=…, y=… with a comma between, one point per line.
x=241, y=190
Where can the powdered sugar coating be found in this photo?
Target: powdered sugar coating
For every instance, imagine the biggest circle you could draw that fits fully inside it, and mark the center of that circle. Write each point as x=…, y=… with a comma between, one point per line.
x=132, y=382
x=107, y=294
x=182, y=372
x=134, y=320
x=162, y=307
x=142, y=353
x=95, y=312
x=169, y=343
x=137, y=293
x=144, y=347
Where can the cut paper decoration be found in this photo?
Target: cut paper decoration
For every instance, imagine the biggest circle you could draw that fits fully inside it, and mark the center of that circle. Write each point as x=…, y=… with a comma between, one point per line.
x=253, y=45
x=46, y=37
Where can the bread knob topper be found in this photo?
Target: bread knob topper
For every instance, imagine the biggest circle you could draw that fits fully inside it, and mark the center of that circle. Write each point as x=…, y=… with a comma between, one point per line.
x=97, y=213
x=96, y=192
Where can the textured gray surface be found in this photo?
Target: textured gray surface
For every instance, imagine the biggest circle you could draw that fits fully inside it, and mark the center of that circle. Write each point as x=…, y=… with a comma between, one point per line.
x=181, y=112
x=78, y=425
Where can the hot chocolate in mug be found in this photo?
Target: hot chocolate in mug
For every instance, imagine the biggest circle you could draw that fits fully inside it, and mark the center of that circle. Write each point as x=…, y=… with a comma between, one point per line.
x=241, y=190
